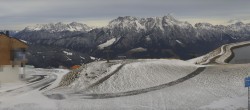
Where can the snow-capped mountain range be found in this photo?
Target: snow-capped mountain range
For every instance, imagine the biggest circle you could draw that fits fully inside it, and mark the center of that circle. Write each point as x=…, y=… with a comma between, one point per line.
x=159, y=37
x=129, y=22
x=164, y=22
x=59, y=27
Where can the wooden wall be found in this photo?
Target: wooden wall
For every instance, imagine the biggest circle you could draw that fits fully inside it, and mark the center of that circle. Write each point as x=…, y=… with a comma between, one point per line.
x=8, y=44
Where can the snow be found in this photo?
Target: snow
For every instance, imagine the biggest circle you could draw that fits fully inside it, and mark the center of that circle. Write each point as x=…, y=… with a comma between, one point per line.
x=92, y=58
x=93, y=73
x=144, y=74
x=59, y=27
x=217, y=87
x=68, y=53
x=82, y=57
x=24, y=41
x=68, y=59
x=34, y=99
x=229, y=103
x=60, y=73
x=178, y=41
x=223, y=53
x=139, y=49
x=228, y=51
x=107, y=43
x=8, y=86
x=139, y=26
x=148, y=38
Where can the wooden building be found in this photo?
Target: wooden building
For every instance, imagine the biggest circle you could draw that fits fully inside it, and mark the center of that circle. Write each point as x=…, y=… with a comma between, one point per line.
x=12, y=57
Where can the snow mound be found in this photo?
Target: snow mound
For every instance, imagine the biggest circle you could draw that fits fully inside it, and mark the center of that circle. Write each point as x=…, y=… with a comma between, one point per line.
x=93, y=73
x=144, y=74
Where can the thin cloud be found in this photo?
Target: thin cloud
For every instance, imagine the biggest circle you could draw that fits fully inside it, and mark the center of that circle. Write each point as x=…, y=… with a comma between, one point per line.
x=25, y=12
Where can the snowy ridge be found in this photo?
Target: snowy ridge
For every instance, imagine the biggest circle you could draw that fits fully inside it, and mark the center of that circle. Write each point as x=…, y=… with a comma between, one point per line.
x=236, y=27
x=59, y=27
x=138, y=24
x=228, y=51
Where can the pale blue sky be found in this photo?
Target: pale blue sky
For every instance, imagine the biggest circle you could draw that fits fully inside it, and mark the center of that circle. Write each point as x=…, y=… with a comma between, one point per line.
x=17, y=14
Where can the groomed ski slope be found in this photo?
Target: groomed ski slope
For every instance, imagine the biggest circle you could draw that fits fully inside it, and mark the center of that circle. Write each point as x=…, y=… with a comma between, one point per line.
x=217, y=88
x=144, y=74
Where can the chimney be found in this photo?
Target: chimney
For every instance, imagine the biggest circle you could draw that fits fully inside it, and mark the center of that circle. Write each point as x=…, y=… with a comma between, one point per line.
x=7, y=33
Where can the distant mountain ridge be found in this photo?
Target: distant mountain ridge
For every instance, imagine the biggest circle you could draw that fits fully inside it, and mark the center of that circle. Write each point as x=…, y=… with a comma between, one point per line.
x=158, y=37
x=59, y=27
x=147, y=23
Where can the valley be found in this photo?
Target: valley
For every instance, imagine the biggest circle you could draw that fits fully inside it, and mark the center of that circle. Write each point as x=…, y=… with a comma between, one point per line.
x=155, y=37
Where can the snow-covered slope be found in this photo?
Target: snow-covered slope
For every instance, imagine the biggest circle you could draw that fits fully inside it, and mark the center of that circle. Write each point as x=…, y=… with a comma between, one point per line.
x=118, y=76
x=59, y=27
x=218, y=87
x=144, y=74
x=107, y=43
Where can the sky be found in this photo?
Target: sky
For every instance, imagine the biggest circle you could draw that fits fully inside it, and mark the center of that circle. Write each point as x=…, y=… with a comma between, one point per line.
x=17, y=14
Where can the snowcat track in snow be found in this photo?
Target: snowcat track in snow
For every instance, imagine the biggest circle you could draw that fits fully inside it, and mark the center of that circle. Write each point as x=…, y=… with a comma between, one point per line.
x=140, y=91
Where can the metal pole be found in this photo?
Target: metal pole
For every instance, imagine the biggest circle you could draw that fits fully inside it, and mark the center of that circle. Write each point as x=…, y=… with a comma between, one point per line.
x=248, y=100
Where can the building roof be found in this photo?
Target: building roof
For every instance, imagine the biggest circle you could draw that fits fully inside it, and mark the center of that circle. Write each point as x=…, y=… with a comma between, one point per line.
x=3, y=34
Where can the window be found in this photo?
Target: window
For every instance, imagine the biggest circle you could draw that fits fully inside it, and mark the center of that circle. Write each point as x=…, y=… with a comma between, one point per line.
x=19, y=55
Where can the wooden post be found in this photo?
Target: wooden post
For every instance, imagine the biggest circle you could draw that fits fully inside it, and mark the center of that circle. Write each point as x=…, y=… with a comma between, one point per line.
x=107, y=56
x=107, y=50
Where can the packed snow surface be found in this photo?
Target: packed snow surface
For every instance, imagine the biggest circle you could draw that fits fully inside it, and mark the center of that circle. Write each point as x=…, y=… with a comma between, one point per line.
x=217, y=87
x=144, y=74
x=33, y=99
